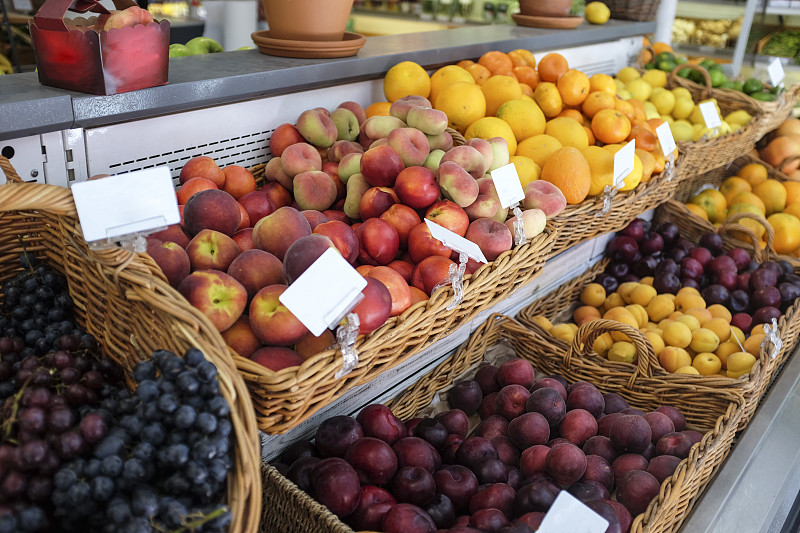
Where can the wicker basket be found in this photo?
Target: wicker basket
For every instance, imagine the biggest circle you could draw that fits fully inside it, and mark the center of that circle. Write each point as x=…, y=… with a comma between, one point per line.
x=292, y=511
x=123, y=300
x=559, y=305
x=773, y=114
x=578, y=223
x=633, y=10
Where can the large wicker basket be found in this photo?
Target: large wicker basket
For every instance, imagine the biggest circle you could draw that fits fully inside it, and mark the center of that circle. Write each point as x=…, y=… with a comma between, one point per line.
x=640, y=10
x=290, y=510
x=123, y=300
x=772, y=113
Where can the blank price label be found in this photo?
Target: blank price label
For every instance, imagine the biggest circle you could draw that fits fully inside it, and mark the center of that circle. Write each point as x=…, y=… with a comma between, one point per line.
x=324, y=293
x=125, y=204
x=456, y=241
x=507, y=184
x=775, y=71
x=665, y=138
x=710, y=115
x=569, y=515
x=623, y=163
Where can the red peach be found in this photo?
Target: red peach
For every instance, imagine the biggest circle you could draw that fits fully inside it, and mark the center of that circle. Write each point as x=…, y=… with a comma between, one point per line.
x=215, y=294
x=238, y=181
x=430, y=272
x=376, y=201
x=256, y=269
x=283, y=136
x=381, y=165
x=244, y=238
x=240, y=337
x=343, y=237
x=378, y=242
x=278, y=195
x=416, y=187
x=376, y=307
x=398, y=288
x=277, y=358
x=277, y=231
x=271, y=321
x=212, y=209
x=172, y=233
x=192, y=186
x=171, y=258
x=213, y=250
x=404, y=268
x=202, y=167
x=448, y=215
x=403, y=218
x=422, y=244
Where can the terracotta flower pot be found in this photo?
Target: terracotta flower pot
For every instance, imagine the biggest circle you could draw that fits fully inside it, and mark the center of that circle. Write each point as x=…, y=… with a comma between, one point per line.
x=307, y=20
x=545, y=8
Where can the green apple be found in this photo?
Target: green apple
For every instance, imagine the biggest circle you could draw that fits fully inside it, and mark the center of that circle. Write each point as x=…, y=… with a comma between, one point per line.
x=204, y=45
x=179, y=50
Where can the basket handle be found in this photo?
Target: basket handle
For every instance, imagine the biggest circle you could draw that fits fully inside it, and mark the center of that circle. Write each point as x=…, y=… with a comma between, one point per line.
x=9, y=171
x=673, y=76
x=16, y=195
x=730, y=225
x=581, y=346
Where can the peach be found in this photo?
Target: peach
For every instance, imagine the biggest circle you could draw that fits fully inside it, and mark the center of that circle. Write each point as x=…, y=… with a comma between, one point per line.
x=244, y=238
x=357, y=186
x=341, y=148
x=378, y=127
x=284, y=135
x=192, y=186
x=314, y=190
x=411, y=144
x=422, y=244
x=469, y=158
x=317, y=128
x=540, y=194
x=533, y=223
x=378, y=242
x=404, y=268
x=457, y=184
x=278, y=230
x=349, y=165
x=416, y=187
x=402, y=106
x=376, y=307
x=271, y=321
x=211, y=249
x=442, y=142
x=310, y=345
x=397, y=286
x=238, y=181
x=346, y=122
x=274, y=173
x=342, y=236
x=332, y=169
x=356, y=108
x=240, y=337
x=430, y=272
x=500, y=155
x=485, y=148
x=215, y=294
x=171, y=258
x=257, y=205
x=448, y=215
x=202, y=166
x=300, y=157
x=172, y=233
x=434, y=159
x=256, y=269
x=376, y=201
x=315, y=218
x=277, y=358
x=278, y=194
x=403, y=218
x=244, y=220
x=427, y=120
x=491, y=236
x=303, y=253
x=485, y=206
x=417, y=295
x=381, y=165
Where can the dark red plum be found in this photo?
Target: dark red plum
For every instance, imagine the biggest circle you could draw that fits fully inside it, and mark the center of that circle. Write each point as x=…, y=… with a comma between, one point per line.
x=516, y=371
x=514, y=477
x=441, y=511
x=455, y=421
x=458, y=483
x=739, y=301
x=516, y=527
x=726, y=278
x=715, y=294
x=533, y=520
x=473, y=450
x=667, y=266
x=689, y=282
x=691, y=268
x=627, y=462
x=414, y=485
x=713, y=242
x=630, y=434
x=743, y=321
x=506, y=451
x=623, y=515
x=614, y=403
x=789, y=293
x=578, y=426
x=666, y=283
x=411, y=424
x=373, y=505
x=676, y=254
x=723, y=262
x=660, y=425
x=651, y=243
x=491, y=427
x=669, y=231
x=299, y=472
x=448, y=454
x=373, y=460
x=531, y=460
x=336, y=434
x=486, y=377
x=602, y=446
x=549, y=403
x=413, y=451
x=605, y=510
x=298, y=449
x=586, y=398
x=557, y=440
x=489, y=520
x=702, y=254
x=432, y=431
x=622, y=248
x=378, y=421
x=488, y=406
x=678, y=420
x=407, y=518
x=561, y=379
x=335, y=485
x=646, y=266
x=497, y=496
x=636, y=489
x=634, y=229
x=676, y=443
x=619, y=271
x=766, y=297
x=696, y=436
x=589, y=490
x=466, y=395
x=740, y=256
x=743, y=281
x=608, y=282
x=632, y=411
x=764, y=315
x=763, y=277
x=565, y=463
x=529, y=429
x=491, y=470
x=599, y=470
x=663, y=466
x=536, y=496
x=510, y=401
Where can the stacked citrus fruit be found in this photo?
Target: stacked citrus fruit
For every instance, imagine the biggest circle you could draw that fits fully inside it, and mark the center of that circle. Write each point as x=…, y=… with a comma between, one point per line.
x=783, y=149
x=751, y=190
x=561, y=125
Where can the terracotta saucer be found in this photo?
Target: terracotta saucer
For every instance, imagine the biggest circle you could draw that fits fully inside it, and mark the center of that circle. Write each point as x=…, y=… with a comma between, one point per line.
x=348, y=46
x=547, y=22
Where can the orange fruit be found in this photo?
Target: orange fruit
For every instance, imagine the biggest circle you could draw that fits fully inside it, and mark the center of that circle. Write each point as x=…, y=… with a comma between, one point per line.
x=787, y=232
x=498, y=90
x=754, y=173
x=573, y=86
x=645, y=139
x=773, y=194
x=639, y=116
x=552, y=66
x=585, y=313
x=496, y=61
x=792, y=191
x=524, y=117
x=697, y=210
x=568, y=132
x=793, y=209
x=748, y=198
x=659, y=47
x=568, y=170
x=464, y=63
x=597, y=101
x=590, y=135
x=526, y=90
x=733, y=186
x=548, y=98
x=626, y=108
x=526, y=75
x=448, y=75
x=603, y=83
x=478, y=72
x=463, y=103
x=648, y=163
x=610, y=126
x=574, y=114
x=378, y=109
x=539, y=148
x=404, y=79
x=525, y=55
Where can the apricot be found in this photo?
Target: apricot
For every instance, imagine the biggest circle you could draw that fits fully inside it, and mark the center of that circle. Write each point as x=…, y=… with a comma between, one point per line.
x=613, y=300
x=690, y=321
x=602, y=344
x=623, y=352
x=642, y=294
x=639, y=313
x=660, y=307
x=543, y=322
x=677, y=334
x=672, y=358
x=647, y=280
x=688, y=370
x=720, y=327
x=740, y=363
x=707, y=363
x=704, y=340
x=593, y=294
x=724, y=350
x=752, y=344
x=689, y=300
x=563, y=332
x=702, y=315
x=585, y=313
x=656, y=340
x=720, y=311
x=626, y=289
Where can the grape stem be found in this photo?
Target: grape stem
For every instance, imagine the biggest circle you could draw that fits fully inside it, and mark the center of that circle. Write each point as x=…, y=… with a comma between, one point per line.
x=25, y=253
x=197, y=520
x=8, y=423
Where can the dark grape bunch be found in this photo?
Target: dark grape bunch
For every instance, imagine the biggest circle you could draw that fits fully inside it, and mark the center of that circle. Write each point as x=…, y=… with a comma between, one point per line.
x=161, y=458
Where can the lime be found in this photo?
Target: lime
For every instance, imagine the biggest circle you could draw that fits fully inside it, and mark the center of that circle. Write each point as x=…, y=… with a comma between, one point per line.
x=696, y=76
x=667, y=66
x=727, y=84
x=665, y=56
x=717, y=77
x=763, y=97
x=684, y=72
x=738, y=85
x=650, y=66
x=681, y=60
x=752, y=85
x=707, y=63
x=778, y=89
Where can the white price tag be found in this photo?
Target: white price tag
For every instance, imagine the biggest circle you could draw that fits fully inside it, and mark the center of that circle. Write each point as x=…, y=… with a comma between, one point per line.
x=569, y=515
x=507, y=184
x=775, y=71
x=455, y=241
x=710, y=115
x=135, y=202
x=623, y=163
x=665, y=138
x=324, y=293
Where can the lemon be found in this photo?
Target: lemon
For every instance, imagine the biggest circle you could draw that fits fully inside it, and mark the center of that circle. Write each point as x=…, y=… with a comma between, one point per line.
x=681, y=92
x=625, y=94
x=405, y=79
x=597, y=12
x=525, y=118
x=740, y=117
x=663, y=100
x=639, y=88
x=627, y=74
x=655, y=77
x=683, y=108
x=620, y=84
x=651, y=111
x=488, y=127
x=527, y=169
x=682, y=130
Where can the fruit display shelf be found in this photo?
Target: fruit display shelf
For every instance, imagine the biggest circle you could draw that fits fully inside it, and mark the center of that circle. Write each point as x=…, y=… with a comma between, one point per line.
x=124, y=302
x=718, y=420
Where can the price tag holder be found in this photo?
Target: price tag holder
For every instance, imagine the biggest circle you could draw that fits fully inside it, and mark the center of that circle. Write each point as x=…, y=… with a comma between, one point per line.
x=623, y=163
x=710, y=115
x=125, y=204
x=569, y=515
x=507, y=184
x=324, y=293
x=455, y=241
x=666, y=139
x=775, y=71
